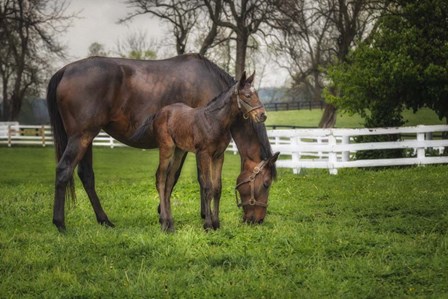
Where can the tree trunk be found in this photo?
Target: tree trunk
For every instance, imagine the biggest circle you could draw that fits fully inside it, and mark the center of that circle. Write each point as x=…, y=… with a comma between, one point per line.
x=5, y=100
x=241, y=47
x=16, y=102
x=328, y=119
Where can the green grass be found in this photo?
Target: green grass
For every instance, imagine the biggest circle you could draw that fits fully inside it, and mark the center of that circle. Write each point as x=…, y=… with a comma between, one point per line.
x=360, y=234
x=311, y=118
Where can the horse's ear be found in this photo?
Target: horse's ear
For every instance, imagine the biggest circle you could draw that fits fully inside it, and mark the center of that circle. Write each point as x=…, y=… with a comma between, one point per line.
x=251, y=78
x=233, y=89
x=242, y=80
x=274, y=158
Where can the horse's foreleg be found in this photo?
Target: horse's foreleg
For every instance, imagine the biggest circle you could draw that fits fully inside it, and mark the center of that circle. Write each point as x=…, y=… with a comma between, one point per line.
x=85, y=173
x=202, y=212
x=204, y=164
x=73, y=153
x=217, y=187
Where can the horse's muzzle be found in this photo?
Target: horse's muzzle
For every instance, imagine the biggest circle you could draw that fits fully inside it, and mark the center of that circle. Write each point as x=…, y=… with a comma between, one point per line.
x=253, y=220
x=261, y=118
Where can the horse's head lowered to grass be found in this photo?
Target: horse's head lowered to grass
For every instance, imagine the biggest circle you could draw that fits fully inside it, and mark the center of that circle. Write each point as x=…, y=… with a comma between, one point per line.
x=253, y=188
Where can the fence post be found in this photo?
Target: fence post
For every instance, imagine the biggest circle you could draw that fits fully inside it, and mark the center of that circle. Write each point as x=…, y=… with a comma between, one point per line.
x=421, y=148
x=345, y=154
x=332, y=157
x=296, y=154
x=9, y=135
x=319, y=142
x=42, y=134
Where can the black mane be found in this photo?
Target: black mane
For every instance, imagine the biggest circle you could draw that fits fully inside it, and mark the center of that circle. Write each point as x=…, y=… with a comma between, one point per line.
x=215, y=69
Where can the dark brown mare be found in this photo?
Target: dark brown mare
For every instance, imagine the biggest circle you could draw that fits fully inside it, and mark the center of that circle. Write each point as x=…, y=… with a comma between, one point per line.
x=204, y=131
x=117, y=95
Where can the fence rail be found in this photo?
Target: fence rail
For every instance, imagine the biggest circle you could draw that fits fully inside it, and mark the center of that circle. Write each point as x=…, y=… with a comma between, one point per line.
x=335, y=148
x=280, y=106
x=330, y=149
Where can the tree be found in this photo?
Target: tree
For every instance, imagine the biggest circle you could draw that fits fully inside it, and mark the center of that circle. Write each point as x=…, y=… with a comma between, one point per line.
x=223, y=21
x=404, y=64
x=27, y=32
x=305, y=41
x=244, y=18
x=319, y=33
x=97, y=49
x=136, y=46
x=180, y=15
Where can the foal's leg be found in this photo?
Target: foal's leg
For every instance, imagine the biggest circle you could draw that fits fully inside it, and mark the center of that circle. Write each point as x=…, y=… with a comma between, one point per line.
x=174, y=171
x=166, y=157
x=73, y=153
x=204, y=163
x=85, y=173
x=177, y=172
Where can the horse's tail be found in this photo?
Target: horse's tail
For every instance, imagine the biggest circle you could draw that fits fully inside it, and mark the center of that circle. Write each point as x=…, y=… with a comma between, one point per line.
x=59, y=134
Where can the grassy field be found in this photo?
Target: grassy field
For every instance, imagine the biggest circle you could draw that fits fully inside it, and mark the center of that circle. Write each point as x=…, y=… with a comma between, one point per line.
x=360, y=234
x=310, y=118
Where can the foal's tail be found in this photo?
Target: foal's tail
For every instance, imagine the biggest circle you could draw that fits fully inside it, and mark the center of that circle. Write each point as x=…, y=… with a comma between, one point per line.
x=145, y=130
x=59, y=133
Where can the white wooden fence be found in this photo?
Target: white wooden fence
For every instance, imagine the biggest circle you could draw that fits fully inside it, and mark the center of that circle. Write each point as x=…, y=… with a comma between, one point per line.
x=12, y=134
x=300, y=148
x=334, y=148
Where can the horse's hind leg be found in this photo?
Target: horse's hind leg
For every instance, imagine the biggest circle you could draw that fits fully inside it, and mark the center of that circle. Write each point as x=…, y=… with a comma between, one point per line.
x=73, y=153
x=85, y=173
x=174, y=171
x=217, y=187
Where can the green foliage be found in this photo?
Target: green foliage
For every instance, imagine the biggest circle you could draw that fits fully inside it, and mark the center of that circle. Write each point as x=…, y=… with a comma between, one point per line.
x=404, y=64
x=355, y=235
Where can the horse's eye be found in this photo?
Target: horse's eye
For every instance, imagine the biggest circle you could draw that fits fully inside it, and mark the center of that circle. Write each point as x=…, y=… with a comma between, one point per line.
x=247, y=95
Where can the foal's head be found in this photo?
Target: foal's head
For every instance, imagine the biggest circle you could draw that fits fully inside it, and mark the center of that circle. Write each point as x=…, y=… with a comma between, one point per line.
x=248, y=100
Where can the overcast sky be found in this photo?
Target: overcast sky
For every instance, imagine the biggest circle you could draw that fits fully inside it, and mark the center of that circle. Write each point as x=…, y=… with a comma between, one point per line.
x=97, y=22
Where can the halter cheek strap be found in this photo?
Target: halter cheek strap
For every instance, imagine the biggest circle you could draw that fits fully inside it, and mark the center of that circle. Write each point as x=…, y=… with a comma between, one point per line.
x=251, y=180
x=246, y=106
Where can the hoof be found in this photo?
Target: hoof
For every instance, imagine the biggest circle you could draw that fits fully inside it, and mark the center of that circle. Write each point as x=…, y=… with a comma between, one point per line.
x=208, y=227
x=60, y=226
x=106, y=223
x=167, y=225
x=216, y=225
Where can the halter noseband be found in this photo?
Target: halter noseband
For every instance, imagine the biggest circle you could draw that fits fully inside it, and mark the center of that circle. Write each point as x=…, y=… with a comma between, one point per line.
x=251, y=180
x=243, y=104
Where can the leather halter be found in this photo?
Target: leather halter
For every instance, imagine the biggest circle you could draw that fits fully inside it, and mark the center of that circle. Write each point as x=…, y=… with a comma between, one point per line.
x=251, y=180
x=243, y=104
